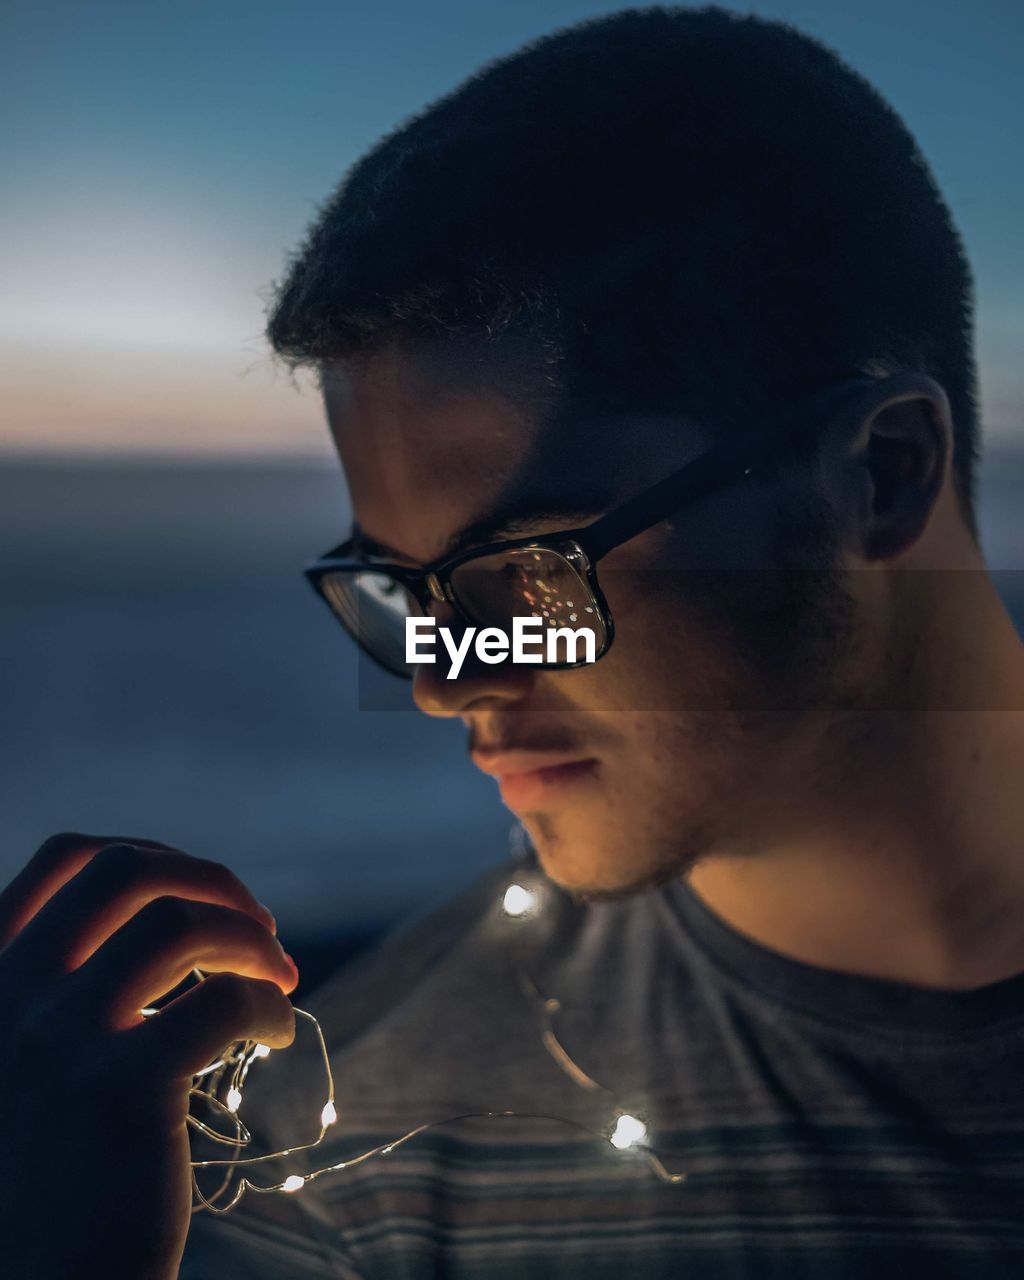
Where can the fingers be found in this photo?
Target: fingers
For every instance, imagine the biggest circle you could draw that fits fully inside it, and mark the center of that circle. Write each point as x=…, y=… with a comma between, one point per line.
x=54, y=863
x=161, y=944
x=118, y=881
x=192, y=1030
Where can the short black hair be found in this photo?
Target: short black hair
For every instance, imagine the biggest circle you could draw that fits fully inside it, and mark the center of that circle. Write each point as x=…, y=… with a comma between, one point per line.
x=688, y=210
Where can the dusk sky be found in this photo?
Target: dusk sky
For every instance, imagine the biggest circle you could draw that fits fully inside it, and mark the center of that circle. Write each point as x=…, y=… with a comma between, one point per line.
x=160, y=160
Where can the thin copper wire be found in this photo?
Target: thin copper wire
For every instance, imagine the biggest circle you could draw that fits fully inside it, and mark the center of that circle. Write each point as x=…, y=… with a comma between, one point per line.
x=239, y=1058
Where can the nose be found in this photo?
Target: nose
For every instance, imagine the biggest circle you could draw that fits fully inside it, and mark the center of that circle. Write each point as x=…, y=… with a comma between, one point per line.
x=478, y=684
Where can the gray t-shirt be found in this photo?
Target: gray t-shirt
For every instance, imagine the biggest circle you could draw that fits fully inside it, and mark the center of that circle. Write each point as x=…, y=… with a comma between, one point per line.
x=829, y=1126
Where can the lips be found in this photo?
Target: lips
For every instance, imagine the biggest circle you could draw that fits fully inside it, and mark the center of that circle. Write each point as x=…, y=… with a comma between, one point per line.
x=535, y=778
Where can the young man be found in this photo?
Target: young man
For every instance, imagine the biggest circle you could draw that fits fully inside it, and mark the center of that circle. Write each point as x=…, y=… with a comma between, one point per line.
x=756, y=994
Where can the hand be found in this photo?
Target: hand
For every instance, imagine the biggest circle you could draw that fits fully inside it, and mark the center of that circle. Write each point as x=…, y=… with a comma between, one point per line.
x=94, y=1153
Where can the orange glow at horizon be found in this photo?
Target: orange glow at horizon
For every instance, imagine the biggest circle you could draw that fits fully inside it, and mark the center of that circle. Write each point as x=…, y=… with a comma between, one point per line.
x=218, y=399
x=101, y=398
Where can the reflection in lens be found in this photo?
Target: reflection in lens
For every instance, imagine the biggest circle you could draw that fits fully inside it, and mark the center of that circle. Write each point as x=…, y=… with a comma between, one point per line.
x=528, y=582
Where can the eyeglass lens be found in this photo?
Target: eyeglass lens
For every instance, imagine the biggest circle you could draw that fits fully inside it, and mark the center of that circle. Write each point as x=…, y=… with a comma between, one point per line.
x=491, y=591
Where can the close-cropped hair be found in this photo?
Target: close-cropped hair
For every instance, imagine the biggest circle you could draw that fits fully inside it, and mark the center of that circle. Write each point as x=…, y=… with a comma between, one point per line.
x=683, y=211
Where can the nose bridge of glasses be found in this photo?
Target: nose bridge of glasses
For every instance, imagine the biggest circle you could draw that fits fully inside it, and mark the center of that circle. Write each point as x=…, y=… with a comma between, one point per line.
x=434, y=588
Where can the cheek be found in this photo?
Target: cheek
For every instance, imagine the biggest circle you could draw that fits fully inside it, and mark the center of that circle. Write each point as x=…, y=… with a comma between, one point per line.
x=695, y=643
x=666, y=655
x=610, y=702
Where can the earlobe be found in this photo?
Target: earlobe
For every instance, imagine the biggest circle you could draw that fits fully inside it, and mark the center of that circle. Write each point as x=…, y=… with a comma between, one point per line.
x=907, y=453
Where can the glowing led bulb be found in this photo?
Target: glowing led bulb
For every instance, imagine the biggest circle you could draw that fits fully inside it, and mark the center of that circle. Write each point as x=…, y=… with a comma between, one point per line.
x=261, y=1050
x=293, y=1183
x=329, y=1114
x=233, y=1100
x=517, y=900
x=628, y=1131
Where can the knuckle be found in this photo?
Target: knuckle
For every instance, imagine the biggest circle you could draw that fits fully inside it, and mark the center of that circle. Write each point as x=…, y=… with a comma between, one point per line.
x=271, y=1001
x=250, y=931
x=119, y=862
x=56, y=848
x=169, y=919
x=218, y=875
x=281, y=1020
x=283, y=1006
x=229, y=992
x=267, y=1011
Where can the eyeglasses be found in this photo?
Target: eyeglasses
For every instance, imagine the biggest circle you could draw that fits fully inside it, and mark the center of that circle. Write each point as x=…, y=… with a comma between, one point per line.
x=552, y=576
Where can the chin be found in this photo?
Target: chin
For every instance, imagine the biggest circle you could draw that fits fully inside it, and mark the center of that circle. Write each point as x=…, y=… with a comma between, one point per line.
x=607, y=862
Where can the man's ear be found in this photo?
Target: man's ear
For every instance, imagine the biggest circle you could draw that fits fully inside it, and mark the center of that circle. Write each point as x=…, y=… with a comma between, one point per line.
x=905, y=445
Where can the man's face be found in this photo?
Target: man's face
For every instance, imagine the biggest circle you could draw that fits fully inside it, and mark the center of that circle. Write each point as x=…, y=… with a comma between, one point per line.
x=700, y=725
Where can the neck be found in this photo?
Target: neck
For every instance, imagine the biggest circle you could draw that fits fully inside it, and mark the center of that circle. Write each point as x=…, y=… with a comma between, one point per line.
x=905, y=857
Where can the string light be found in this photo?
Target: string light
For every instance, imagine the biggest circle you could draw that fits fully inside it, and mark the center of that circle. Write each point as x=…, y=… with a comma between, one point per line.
x=517, y=900
x=628, y=1132
x=225, y=1079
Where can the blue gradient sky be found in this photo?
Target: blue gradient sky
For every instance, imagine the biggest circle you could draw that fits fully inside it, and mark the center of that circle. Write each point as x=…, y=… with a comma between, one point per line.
x=160, y=159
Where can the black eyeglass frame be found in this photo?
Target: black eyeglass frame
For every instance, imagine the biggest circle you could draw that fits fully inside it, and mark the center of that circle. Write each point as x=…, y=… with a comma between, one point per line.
x=723, y=464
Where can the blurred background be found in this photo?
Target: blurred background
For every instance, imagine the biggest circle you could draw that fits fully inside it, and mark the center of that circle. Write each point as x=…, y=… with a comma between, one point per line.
x=164, y=670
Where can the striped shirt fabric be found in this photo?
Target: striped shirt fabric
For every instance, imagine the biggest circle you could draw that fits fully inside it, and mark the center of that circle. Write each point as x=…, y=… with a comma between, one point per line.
x=829, y=1127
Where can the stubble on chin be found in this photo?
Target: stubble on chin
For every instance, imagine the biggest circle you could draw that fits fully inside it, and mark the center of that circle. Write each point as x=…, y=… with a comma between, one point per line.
x=613, y=876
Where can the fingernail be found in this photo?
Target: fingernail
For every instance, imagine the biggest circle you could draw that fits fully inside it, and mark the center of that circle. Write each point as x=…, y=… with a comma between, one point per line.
x=268, y=915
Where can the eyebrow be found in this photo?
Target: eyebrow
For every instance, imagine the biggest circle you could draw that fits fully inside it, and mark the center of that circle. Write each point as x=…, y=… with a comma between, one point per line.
x=510, y=520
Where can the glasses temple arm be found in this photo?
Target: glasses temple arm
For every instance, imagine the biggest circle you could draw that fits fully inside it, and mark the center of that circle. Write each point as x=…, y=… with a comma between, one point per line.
x=720, y=466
